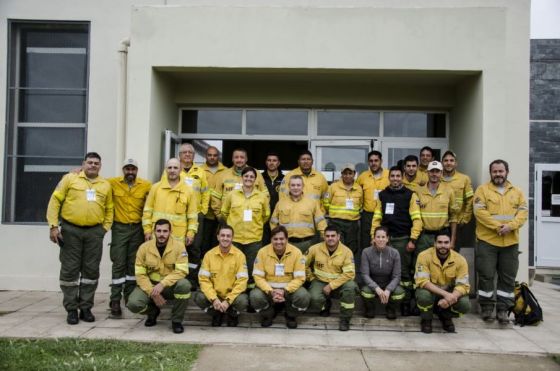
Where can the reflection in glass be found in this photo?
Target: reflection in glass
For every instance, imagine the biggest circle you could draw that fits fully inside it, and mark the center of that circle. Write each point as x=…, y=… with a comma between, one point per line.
x=348, y=123
x=278, y=122
x=52, y=105
x=64, y=142
x=414, y=124
x=334, y=158
x=208, y=121
x=550, y=204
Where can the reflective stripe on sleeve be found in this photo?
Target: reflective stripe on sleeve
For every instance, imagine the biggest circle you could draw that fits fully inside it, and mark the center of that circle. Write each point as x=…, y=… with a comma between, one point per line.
x=242, y=275
x=257, y=272
x=299, y=273
x=203, y=272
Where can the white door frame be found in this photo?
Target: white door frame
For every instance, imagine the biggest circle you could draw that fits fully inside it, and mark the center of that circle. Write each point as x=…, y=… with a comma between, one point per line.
x=540, y=221
x=172, y=140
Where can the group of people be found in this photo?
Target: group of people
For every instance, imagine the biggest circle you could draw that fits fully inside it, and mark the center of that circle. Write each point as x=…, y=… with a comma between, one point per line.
x=240, y=240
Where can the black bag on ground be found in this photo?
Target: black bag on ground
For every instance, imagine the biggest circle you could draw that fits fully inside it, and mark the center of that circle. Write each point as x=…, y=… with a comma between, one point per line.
x=526, y=309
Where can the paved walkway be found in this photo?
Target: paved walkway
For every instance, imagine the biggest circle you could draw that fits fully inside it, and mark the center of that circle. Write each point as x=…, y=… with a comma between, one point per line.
x=40, y=315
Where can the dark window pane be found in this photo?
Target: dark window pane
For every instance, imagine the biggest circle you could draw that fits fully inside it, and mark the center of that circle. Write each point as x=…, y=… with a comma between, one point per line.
x=55, y=68
x=277, y=122
x=414, y=124
x=211, y=121
x=51, y=142
x=52, y=106
x=341, y=123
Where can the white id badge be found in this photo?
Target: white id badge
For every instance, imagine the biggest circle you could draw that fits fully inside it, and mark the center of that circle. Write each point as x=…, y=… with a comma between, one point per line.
x=247, y=215
x=389, y=208
x=279, y=270
x=237, y=186
x=90, y=195
x=349, y=204
x=189, y=181
x=376, y=194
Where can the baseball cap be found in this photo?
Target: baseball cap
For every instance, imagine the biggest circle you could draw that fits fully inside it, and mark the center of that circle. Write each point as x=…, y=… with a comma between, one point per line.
x=349, y=167
x=130, y=161
x=435, y=165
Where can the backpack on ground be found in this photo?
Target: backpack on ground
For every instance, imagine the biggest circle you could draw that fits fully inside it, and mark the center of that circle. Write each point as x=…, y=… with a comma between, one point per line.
x=526, y=308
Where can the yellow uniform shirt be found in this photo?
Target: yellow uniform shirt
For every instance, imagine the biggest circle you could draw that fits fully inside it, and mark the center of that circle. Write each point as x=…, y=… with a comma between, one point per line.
x=81, y=201
x=301, y=218
x=212, y=179
x=150, y=268
x=246, y=214
x=287, y=272
x=229, y=181
x=196, y=180
x=335, y=269
x=315, y=185
x=413, y=211
x=420, y=180
x=343, y=203
x=492, y=209
x=439, y=210
x=178, y=205
x=372, y=185
x=462, y=188
x=452, y=275
x=129, y=201
x=221, y=276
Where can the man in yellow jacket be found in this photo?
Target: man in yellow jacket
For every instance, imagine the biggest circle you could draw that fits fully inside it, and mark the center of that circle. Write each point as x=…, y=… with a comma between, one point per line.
x=161, y=266
x=442, y=281
x=82, y=204
x=223, y=280
x=213, y=169
x=412, y=178
x=129, y=196
x=279, y=274
x=173, y=200
x=330, y=268
x=500, y=210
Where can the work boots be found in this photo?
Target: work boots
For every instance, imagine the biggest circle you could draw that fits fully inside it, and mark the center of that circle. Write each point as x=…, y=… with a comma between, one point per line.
x=502, y=317
x=232, y=318
x=447, y=324
x=326, y=311
x=86, y=315
x=486, y=314
x=405, y=309
x=370, y=308
x=344, y=324
x=72, y=317
x=151, y=320
x=267, y=316
x=217, y=318
x=116, y=308
x=426, y=326
x=291, y=322
x=390, y=312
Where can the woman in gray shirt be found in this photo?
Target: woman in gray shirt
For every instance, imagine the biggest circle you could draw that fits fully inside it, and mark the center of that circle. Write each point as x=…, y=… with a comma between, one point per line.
x=381, y=274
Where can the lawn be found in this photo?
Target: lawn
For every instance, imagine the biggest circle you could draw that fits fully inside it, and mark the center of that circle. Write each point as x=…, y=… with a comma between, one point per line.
x=79, y=354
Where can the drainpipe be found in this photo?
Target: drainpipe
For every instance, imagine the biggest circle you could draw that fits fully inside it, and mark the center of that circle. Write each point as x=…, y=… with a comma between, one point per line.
x=121, y=102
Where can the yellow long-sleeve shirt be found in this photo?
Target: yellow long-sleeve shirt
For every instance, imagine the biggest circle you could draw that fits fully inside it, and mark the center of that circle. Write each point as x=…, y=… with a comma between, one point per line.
x=246, y=214
x=222, y=276
x=462, y=188
x=335, y=269
x=81, y=201
x=129, y=200
x=493, y=209
x=196, y=180
x=452, y=275
x=420, y=180
x=343, y=203
x=438, y=210
x=229, y=181
x=212, y=176
x=151, y=268
x=301, y=218
x=315, y=185
x=178, y=205
x=271, y=272
x=372, y=185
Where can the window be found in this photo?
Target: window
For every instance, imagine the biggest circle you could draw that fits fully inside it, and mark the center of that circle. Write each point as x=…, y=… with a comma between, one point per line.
x=277, y=122
x=348, y=123
x=414, y=124
x=47, y=112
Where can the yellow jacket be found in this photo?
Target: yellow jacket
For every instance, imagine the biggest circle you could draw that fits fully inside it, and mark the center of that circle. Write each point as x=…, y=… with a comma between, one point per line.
x=212, y=179
x=228, y=181
x=336, y=269
x=315, y=185
x=336, y=201
x=69, y=202
x=223, y=277
x=178, y=205
x=372, y=185
x=301, y=218
x=492, y=209
x=129, y=201
x=150, y=268
x=413, y=211
x=264, y=271
x=235, y=208
x=462, y=188
x=196, y=180
x=452, y=275
x=439, y=210
x=420, y=180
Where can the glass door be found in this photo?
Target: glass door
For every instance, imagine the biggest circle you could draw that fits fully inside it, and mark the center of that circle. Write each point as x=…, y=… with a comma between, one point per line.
x=395, y=150
x=547, y=215
x=331, y=155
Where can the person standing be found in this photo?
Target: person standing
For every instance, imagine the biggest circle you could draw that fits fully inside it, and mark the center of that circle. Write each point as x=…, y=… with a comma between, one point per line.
x=427, y=156
x=79, y=213
x=273, y=179
x=129, y=197
x=500, y=210
x=413, y=179
x=214, y=169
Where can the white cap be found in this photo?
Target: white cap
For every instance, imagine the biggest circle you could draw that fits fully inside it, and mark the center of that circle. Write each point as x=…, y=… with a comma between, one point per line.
x=349, y=167
x=435, y=165
x=130, y=161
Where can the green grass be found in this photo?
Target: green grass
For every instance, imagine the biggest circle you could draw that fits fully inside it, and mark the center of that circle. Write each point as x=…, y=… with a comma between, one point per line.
x=80, y=354
x=556, y=358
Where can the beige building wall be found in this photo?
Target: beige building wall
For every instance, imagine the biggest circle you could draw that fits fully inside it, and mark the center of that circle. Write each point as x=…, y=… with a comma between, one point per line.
x=470, y=58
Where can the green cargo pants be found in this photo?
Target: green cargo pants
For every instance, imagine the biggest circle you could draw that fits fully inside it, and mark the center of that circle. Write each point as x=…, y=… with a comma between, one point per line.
x=407, y=269
x=365, y=229
x=396, y=297
x=126, y=238
x=297, y=302
x=349, y=233
x=180, y=292
x=303, y=246
x=250, y=250
x=239, y=305
x=492, y=260
x=209, y=239
x=195, y=253
x=426, y=301
x=345, y=293
x=79, y=264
